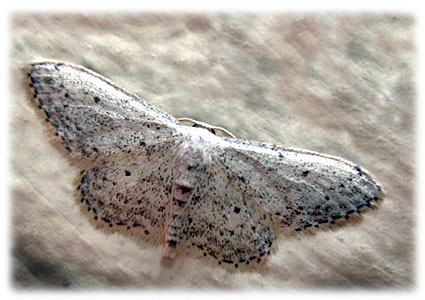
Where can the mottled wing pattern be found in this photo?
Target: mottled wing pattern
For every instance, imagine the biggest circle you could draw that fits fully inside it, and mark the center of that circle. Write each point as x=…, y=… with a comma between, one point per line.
x=92, y=115
x=226, y=223
x=131, y=190
x=300, y=189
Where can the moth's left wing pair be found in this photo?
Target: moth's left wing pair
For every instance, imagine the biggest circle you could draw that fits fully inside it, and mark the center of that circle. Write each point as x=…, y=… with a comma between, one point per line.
x=91, y=114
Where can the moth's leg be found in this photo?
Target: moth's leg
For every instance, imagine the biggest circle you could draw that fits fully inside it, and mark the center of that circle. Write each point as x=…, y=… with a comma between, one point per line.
x=177, y=222
x=207, y=126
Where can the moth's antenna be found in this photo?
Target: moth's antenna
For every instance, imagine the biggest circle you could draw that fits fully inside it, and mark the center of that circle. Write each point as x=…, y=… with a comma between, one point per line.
x=207, y=126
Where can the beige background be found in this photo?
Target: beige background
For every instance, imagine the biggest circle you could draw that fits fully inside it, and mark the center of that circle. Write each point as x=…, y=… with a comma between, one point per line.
x=335, y=83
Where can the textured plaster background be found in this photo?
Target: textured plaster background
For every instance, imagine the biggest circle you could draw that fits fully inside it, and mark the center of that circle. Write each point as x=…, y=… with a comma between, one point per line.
x=335, y=83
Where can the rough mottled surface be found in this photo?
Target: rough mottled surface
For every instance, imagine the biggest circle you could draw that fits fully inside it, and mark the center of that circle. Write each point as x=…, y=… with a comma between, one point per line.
x=338, y=84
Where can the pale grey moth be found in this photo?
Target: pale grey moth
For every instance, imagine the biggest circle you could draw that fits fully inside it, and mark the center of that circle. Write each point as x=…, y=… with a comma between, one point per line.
x=185, y=188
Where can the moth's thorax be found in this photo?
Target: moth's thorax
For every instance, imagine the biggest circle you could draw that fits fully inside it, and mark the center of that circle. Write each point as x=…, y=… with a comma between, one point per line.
x=193, y=157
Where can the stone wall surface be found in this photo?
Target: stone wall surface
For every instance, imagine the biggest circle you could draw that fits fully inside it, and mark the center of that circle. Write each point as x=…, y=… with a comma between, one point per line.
x=341, y=84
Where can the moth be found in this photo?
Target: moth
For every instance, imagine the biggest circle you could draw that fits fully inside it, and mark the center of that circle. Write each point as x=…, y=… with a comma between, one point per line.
x=183, y=187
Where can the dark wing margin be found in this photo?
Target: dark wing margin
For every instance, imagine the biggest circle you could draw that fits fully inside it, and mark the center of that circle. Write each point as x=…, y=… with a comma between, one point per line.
x=92, y=115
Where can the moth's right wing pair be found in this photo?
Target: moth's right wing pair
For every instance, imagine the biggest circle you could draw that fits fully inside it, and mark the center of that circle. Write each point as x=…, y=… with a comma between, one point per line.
x=252, y=189
x=301, y=188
